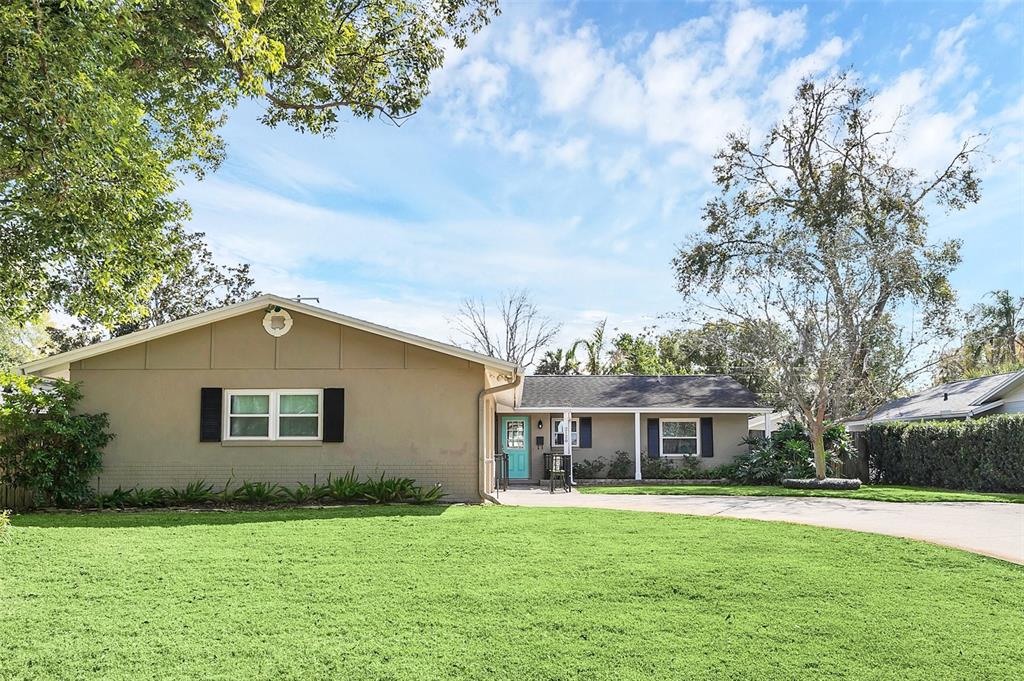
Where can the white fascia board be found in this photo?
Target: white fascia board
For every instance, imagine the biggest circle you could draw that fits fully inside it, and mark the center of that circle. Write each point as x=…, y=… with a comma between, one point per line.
x=646, y=410
x=256, y=303
x=1008, y=383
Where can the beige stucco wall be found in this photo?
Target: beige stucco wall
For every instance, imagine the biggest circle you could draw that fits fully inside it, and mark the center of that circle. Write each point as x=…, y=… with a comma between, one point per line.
x=614, y=432
x=408, y=411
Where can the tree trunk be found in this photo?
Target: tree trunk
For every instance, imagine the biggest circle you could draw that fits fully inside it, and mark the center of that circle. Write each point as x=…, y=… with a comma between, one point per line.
x=818, y=440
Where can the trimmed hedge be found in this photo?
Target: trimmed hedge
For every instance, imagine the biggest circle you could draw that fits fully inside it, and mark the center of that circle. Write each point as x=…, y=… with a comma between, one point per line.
x=985, y=454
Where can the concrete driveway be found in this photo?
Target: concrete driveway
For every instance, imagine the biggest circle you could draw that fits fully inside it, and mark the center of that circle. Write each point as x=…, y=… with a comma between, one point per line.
x=991, y=529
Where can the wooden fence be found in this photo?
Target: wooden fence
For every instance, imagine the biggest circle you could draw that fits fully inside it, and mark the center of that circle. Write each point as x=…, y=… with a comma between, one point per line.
x=14, y=498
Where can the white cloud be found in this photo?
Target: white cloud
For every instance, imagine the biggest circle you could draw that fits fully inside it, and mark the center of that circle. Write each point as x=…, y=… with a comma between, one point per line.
x=571, y=153
x=751, y=30
x=822, y=59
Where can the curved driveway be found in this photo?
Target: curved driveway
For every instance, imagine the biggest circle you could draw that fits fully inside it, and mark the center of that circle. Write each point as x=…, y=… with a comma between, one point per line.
x=991, y=529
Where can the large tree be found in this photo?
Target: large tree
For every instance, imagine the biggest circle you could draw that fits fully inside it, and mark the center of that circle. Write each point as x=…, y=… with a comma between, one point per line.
x=993, y=340
x=818, y=233
x=201, y=284
x=517, y=333
x=103, y=103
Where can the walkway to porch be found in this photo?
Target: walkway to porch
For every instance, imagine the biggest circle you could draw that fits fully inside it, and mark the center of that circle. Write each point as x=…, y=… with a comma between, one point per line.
x=990, y=529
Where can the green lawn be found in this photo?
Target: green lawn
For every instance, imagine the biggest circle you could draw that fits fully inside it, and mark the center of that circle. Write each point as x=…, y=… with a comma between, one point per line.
x=493, y=593
x=872, y=492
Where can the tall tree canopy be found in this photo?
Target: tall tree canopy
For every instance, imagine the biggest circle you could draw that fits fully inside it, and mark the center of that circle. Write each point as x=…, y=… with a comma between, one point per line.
x=993, y=342
x=200, y=285
x=103, y=102
x=817, y=238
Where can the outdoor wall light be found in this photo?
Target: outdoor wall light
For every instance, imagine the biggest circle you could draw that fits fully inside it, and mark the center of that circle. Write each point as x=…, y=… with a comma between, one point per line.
x=540, y=424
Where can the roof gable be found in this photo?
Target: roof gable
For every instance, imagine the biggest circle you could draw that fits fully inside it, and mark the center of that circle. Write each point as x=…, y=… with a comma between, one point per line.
x=637, y=392
x=954, y=399
x=254, y=304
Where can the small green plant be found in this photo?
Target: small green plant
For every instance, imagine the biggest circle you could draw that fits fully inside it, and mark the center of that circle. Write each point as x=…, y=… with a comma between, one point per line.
x=118, y=498
x=346, y=488
x=431, y=495
x=306, y=494
x=386, y=490
x=5, y=526
x=142, y=497
x=588, y=469
x=195, y=492
x=259, y=493
x=622, y=466
x=226, y=495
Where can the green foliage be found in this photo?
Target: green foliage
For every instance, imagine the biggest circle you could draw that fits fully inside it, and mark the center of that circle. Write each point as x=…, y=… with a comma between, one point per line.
x=788, y=454
x=622, y=466
x=20, y=343
x=118, y=498
x=979, y=454
x=993, y=343
x=430, y=495
x=306, y=494
x=259, y=493
x=104, y=103
x=589, y=469
x=387, y=490
x=346, y=488
x=198, y=285
x=147, y=497
x=226, y=495
x=46, y=447
x=195, y=492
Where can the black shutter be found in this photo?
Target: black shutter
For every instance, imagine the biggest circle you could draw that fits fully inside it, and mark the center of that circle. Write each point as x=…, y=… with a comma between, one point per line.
x=653, y=438
x=707, y=437
x=334, y=414
x=586, y=430
x=211, y=404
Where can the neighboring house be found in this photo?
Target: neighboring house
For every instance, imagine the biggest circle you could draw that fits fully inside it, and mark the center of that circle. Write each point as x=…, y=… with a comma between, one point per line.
x=974, y=397
x=280, y=391
x=756, y=426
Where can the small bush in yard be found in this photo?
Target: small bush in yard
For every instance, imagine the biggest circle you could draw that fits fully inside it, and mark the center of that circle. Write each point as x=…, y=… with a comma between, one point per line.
x=588, y=469
x=622, y=466
x=195, y=492
x=259, y=493
x=46, y=447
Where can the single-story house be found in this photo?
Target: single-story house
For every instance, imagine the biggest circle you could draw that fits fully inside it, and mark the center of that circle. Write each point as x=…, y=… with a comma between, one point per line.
x=970, y=398
x=281, y=391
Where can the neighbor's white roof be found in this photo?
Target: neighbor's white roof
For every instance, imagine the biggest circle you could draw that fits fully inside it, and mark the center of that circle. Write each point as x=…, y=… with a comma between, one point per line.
x=249, y=306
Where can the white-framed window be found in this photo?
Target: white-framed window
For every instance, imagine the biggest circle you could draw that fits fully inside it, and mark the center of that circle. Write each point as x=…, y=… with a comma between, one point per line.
x=558, y=433
x=287, y=414
x=680, y=437
x=515, y=434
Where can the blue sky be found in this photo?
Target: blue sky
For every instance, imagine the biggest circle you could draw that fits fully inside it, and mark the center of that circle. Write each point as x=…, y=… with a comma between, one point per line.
x=568, y=150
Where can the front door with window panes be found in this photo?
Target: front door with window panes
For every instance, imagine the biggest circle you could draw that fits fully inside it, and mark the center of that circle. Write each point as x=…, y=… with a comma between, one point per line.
x=515, y=442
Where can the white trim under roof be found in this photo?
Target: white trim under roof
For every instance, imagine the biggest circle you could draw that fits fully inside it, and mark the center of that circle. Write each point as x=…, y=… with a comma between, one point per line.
x=645, y=410
x=252, y=305
x=962, y=414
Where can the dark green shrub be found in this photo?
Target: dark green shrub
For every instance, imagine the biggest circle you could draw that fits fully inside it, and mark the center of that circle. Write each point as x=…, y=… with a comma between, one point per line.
x=589, y=469
x=985, y=454
x=622, y=467
x=346, y=488
x=259, y=493
x=387, y=490
x=788, y=453
x=195, y=492
x=143, y=497
x=306, y=494
x=46, y=447
x=119, y=498
x=431, y=495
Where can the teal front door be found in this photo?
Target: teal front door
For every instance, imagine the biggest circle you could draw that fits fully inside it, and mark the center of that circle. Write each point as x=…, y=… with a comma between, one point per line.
x=515, y=441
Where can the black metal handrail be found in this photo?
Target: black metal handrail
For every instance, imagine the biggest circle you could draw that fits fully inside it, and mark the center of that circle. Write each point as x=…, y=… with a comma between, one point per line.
x=501, y=472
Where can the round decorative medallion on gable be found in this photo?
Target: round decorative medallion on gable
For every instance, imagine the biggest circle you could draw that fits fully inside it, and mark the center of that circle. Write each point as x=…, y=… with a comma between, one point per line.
x=277, y=321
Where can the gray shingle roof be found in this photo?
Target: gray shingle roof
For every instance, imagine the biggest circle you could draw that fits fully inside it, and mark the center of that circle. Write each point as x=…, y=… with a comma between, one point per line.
x=949, y=399
x=636, y=392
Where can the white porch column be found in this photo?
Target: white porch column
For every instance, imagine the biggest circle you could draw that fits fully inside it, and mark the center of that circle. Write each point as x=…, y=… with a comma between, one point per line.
x=567, y=441
x=636, y=444
x=768, y=425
